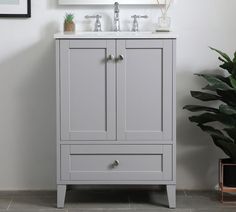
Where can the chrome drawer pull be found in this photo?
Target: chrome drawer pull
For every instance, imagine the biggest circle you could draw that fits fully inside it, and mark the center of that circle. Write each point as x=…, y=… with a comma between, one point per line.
x=121, y=57
x=116, y=163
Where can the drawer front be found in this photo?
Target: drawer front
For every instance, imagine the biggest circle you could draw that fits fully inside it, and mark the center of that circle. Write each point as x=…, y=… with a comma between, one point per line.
x=80, y=163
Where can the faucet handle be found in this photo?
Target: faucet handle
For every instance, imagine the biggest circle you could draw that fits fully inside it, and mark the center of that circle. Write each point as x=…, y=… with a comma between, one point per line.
x=98, y=25
x=135, y=22
x=139, y=16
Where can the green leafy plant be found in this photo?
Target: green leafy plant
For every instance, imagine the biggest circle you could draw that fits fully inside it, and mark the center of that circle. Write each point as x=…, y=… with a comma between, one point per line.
x=69, y=17
x=223, y=89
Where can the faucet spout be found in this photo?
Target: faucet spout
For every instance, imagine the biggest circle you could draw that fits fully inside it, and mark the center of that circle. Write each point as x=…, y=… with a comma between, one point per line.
x=116, y=17
x=116, y=7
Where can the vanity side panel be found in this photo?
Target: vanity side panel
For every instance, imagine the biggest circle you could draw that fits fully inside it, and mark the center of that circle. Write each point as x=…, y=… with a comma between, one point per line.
x=174, y=107
x=58, y=119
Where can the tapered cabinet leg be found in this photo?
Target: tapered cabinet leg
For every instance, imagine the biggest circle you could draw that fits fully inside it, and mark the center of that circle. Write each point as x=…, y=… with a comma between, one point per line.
x=171, y=192
x=61, y=193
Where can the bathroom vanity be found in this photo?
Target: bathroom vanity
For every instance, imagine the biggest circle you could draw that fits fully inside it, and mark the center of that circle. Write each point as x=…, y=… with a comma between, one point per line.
x=116, y=110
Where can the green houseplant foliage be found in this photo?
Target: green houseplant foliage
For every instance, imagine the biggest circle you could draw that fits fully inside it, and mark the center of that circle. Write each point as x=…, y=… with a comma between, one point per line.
x=222, y=89
x=69, y=17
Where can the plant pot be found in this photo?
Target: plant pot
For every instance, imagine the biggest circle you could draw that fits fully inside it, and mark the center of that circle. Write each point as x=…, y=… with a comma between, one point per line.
x=229, y=172
x=69, y=26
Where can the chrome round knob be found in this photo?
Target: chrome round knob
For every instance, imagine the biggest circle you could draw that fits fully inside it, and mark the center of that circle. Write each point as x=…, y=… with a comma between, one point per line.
x=111, y=57
x=116, y=163
x=121, y=57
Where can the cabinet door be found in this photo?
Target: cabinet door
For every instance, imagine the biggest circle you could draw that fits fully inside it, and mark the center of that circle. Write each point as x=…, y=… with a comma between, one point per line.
x=144, y=90
x=87, y=79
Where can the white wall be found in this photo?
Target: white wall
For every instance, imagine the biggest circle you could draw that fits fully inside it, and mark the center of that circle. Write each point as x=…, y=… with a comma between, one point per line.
x=27, y=86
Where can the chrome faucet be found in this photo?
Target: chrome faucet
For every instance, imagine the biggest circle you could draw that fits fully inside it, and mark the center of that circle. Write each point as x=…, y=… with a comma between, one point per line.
x=116, y=17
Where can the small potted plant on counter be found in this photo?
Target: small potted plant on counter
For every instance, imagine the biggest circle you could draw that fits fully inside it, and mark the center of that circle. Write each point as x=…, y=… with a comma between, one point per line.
x=69, y=25
x=221, y=88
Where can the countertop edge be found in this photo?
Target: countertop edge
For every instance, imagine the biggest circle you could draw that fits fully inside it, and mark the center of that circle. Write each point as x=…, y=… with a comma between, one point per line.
x=88, y=35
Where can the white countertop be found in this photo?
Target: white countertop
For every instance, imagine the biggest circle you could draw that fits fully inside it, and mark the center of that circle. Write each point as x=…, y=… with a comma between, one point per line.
x=115, y=35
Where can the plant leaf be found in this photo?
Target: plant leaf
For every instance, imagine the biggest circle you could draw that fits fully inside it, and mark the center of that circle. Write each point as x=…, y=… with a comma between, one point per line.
x=209, y=88
x=204, y=96
x=210, y=130
x=228, y=148
x=209, y=117
x=229, y=66
x=222, y=78
x=234, y=60
x=228, y=110
x=232, y=133
x=215, y=82
x=197, y=108
x=234, y=70
x=232, y=81
x=228, y=96
x=218, y=133
x=222, y=60
x=224, y=55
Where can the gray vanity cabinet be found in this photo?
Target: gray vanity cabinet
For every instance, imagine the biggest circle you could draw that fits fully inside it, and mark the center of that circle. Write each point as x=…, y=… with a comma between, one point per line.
x=116, y=113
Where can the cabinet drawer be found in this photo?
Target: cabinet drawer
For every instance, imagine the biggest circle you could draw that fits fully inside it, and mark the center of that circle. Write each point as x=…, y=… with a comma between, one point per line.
x=81, y=163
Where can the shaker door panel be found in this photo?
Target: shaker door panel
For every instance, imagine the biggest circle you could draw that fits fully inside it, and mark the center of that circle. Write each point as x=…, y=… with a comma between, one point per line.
x=87, y=90
x=144, y=90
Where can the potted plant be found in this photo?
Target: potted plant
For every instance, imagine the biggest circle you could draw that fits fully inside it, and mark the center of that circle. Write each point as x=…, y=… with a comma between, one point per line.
x=69, y=25
x=221, y=88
